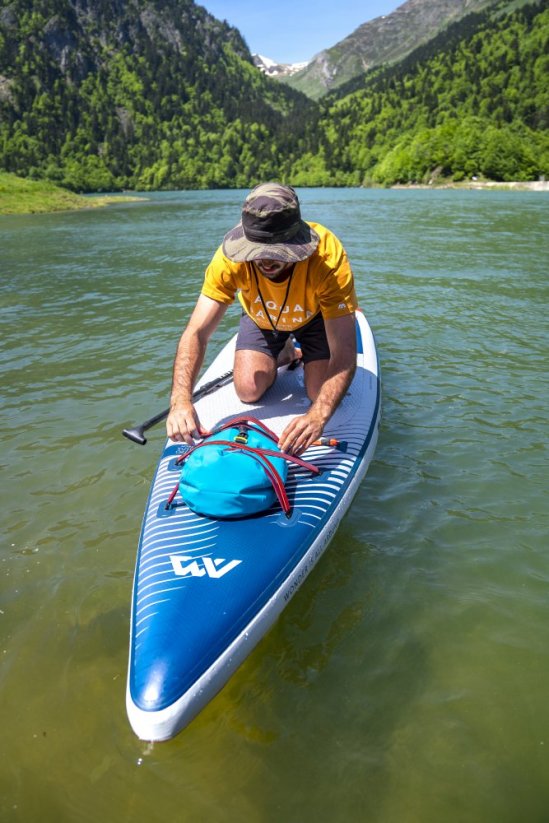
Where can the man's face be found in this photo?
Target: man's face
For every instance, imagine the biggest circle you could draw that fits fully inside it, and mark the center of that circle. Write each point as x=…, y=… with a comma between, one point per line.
x=272, y=268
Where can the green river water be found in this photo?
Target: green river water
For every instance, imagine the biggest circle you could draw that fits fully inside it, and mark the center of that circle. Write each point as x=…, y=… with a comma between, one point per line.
x=408, y=679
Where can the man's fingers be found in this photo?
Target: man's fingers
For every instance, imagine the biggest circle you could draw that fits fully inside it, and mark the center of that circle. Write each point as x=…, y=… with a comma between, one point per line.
x=182, y=426
x=299, y=434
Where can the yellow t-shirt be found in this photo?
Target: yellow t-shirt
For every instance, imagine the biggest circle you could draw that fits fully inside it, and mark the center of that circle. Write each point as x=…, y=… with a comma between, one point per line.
x=321, y=283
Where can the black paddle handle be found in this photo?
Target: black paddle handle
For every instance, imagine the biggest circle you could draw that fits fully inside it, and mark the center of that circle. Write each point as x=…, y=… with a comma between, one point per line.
x=137, y=434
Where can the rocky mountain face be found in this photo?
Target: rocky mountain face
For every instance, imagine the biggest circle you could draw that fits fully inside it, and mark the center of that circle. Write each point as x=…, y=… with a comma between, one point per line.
x=386, y=39
x=75, y=34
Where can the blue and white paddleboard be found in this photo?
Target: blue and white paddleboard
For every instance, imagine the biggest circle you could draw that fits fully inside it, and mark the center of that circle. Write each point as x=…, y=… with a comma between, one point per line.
x=206, y=591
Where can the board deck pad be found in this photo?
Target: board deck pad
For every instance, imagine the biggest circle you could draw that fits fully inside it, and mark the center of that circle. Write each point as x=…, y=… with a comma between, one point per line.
x=205, y=590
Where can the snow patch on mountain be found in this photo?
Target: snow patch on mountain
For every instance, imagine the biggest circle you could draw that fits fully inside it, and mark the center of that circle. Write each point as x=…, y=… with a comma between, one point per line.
x=274, y=69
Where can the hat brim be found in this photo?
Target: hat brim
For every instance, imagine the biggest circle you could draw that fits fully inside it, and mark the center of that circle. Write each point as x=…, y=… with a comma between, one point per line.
x=238, y=248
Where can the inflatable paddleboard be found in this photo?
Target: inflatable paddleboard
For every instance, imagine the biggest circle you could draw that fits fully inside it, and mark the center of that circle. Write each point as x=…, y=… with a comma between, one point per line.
x=206, y=591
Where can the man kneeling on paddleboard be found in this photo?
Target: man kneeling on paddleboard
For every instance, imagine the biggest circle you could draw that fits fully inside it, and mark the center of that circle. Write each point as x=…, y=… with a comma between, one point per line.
x=292, y=278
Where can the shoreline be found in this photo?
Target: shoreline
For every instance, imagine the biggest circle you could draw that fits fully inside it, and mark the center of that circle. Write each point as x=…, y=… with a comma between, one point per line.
x=13, y=207
x=529, y=185
x=19, y=196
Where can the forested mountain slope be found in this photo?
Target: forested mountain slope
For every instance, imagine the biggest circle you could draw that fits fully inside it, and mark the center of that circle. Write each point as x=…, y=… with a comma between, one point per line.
x=139, y=94
x=152, y=94
x=474, y=101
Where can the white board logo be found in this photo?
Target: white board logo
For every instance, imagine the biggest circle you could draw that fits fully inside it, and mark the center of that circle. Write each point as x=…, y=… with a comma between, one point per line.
x=193, y=567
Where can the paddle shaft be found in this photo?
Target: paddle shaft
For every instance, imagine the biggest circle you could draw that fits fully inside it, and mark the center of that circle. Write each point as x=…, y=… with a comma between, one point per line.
x=137, y=434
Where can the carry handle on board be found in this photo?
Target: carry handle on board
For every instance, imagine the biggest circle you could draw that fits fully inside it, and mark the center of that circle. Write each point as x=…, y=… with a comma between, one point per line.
x=137, y=434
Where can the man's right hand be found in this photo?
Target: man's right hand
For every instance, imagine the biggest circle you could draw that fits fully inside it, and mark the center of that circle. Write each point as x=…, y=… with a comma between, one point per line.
x=183, y=425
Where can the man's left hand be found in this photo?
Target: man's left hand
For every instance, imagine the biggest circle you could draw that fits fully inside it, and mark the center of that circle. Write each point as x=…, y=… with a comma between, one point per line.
x=301, y=432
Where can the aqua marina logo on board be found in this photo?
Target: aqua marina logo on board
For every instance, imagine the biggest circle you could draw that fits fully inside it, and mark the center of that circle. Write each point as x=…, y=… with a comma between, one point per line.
x=202, y=566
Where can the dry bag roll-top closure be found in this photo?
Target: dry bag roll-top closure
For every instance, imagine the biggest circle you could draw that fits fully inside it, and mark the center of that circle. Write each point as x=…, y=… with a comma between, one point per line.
x=237, y=471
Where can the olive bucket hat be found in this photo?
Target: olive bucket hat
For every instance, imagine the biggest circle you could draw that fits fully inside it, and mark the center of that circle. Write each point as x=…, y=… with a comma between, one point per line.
x=271, y=228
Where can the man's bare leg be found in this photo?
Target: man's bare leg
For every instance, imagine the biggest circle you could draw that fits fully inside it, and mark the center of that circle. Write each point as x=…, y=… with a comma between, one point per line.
x=315, y=375
x=288, y=354
x=254, y=373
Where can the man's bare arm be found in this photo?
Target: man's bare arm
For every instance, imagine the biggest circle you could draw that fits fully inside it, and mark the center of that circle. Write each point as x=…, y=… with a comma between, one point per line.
x=182, y=422
x=304, y=430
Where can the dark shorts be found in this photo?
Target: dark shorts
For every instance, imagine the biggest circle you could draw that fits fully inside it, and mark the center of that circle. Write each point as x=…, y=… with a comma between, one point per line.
x=311, y=337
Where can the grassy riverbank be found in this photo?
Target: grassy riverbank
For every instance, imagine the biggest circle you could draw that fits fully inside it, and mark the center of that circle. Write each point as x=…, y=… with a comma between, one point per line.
x=21, y=196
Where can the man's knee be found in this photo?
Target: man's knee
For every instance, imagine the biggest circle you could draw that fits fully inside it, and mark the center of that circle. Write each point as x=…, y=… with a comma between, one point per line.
x=254, y=373
x=248, y=392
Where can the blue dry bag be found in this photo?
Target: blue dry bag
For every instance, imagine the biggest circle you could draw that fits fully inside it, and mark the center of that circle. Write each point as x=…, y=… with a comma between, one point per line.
x=237, y=471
